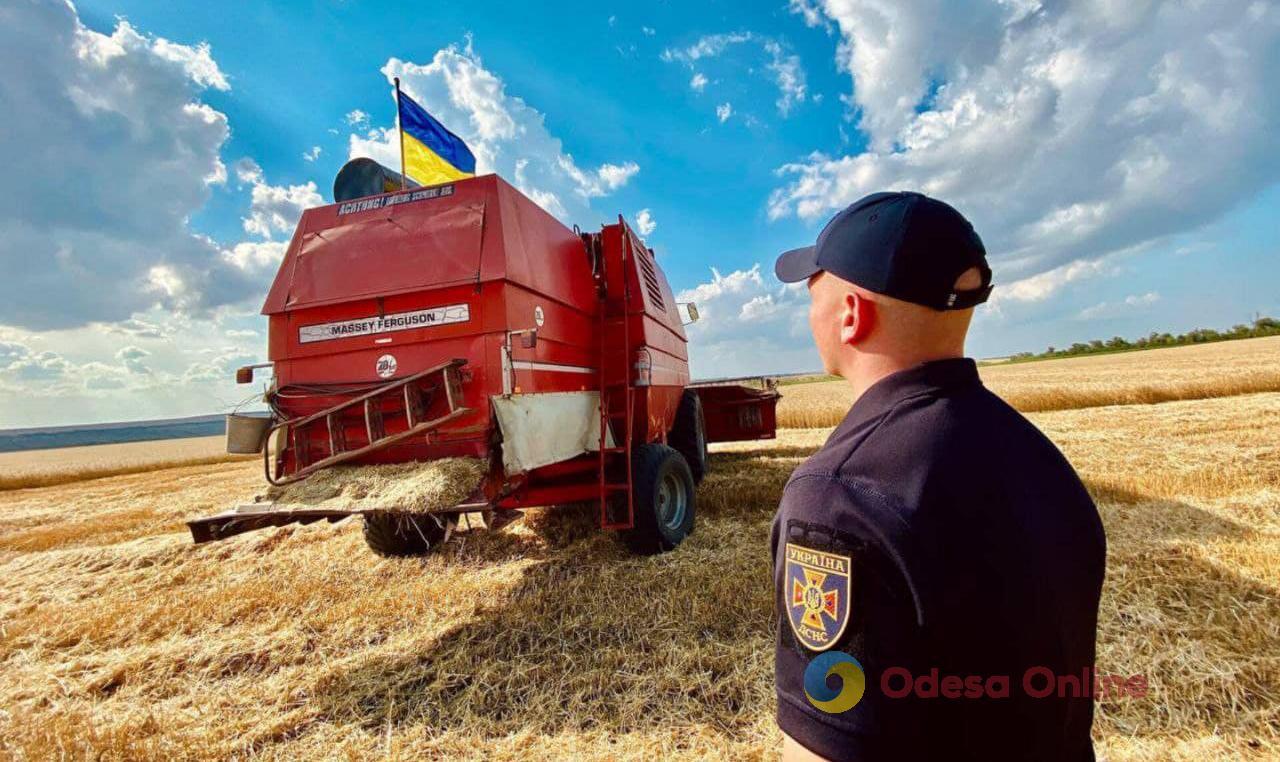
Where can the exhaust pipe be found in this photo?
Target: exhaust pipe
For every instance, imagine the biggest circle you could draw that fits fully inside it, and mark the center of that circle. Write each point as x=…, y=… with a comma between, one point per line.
x=365, y=177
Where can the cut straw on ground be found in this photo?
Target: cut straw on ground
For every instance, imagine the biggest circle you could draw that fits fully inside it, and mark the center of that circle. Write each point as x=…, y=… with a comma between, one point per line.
x=121, y=640
x=407, y=486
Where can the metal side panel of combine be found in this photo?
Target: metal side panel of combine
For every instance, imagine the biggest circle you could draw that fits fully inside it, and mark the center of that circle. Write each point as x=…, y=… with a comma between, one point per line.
x=541, y=429
x=735, y=412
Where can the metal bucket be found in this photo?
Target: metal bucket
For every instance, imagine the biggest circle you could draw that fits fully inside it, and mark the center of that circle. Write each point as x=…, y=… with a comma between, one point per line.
x=246, y=434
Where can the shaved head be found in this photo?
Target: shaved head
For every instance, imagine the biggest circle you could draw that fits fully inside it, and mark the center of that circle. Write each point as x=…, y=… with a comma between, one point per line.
x=862, y=335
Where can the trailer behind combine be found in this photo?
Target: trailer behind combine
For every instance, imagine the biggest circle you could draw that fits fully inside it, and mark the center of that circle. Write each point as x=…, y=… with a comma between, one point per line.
x=464, y=320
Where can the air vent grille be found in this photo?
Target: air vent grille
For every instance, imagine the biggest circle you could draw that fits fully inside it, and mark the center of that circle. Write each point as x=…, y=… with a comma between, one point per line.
x=650, y=276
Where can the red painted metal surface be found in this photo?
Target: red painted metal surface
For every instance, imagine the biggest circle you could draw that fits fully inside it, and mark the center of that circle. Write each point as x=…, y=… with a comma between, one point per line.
x=380, y=288
x=734, y=413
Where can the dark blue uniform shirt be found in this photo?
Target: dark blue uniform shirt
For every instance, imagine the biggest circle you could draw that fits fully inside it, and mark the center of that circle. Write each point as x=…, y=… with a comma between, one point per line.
x=944, y=543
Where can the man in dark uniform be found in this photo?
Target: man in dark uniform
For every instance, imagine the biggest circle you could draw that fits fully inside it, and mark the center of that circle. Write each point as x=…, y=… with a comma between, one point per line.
x=937, y=563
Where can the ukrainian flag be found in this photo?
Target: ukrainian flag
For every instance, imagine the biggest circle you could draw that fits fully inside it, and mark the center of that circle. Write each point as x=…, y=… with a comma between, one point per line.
x=432, y=154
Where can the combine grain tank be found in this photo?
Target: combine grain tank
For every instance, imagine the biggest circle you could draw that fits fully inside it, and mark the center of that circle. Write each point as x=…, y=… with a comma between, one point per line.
x=464, y=320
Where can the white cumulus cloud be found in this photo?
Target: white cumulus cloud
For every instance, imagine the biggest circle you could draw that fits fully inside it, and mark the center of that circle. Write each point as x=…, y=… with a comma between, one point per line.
x=748, y=324
x=20, y=363
x=276, y=208
x=507, y=135
x=724, y=111
x=1041, y=286
x=1067, y=132
x=108, y=152
x=248, y=171
x=260, y=257
x=604, y=180
x=196, y=60
x=645, y=222
x=132, y=358
x=811, y=12
x=137, y=327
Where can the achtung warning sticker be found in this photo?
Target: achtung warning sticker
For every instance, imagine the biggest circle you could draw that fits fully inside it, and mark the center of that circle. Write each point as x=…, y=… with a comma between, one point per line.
x=382, y=202
x=400, y=321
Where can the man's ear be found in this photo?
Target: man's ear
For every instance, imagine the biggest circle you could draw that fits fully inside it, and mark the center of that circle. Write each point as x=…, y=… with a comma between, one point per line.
x=857, y=317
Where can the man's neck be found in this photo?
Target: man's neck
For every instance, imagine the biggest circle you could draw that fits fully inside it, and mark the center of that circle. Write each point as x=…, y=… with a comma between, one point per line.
x=865, y=370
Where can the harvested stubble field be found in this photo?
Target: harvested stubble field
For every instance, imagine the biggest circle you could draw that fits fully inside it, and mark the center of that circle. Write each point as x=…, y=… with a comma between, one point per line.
x=120, y=640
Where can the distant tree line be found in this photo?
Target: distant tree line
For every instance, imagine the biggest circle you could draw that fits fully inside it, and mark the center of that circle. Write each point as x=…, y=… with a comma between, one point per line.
x=1263, y=326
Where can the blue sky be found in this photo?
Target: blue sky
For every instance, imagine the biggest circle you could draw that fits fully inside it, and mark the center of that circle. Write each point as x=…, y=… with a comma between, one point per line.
x=1120, y=162
x=598, y=79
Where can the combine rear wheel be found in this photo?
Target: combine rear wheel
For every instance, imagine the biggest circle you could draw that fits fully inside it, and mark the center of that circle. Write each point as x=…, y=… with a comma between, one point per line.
x=407, y=534
x=689, y=434
x=664, y=499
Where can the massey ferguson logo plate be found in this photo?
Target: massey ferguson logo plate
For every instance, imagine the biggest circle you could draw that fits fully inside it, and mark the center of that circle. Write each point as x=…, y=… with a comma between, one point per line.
x=400, y=321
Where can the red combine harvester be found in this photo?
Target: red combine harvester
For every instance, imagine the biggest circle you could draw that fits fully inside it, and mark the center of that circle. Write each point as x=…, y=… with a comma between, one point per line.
x=464, y=320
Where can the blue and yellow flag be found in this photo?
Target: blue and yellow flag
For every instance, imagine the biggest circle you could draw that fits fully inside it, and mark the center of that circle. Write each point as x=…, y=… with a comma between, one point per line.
x=432, y=154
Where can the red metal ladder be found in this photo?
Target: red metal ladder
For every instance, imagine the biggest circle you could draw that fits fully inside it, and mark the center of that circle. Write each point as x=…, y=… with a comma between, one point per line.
x=616, y=387
x=416, y=393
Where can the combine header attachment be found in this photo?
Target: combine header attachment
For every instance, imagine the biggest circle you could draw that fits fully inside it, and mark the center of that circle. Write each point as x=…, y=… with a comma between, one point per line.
x=462, y=320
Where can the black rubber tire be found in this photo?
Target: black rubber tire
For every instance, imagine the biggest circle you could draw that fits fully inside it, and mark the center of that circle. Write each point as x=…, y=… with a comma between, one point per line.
x=689, y=434
x=660, y=476
x=397, y=535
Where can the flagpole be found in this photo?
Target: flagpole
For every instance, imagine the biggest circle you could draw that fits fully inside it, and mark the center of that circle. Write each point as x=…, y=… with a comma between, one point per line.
x=400, y=126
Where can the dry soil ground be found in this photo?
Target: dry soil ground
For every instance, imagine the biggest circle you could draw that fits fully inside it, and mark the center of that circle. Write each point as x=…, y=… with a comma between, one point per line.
x=120, y=639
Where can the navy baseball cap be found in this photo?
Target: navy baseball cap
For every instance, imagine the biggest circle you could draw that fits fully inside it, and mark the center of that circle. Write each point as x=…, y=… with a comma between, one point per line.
x=904, y=245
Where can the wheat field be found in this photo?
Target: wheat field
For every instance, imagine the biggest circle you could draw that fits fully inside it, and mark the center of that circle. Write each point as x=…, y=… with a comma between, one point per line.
x=1221, y=369
x=121, y=640
x=47, y=468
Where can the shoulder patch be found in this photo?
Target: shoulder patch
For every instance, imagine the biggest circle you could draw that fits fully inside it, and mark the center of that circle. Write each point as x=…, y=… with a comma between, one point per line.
x=817, y=590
